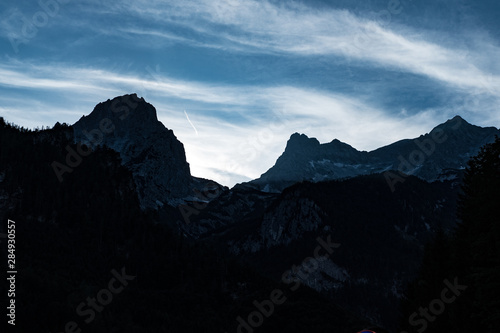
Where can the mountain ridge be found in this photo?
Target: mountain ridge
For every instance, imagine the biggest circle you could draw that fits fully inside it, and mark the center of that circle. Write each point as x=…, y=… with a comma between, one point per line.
x=447, y=146
x=129, y=125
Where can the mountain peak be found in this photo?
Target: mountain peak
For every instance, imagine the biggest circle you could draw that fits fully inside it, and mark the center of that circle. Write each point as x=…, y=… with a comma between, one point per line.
x=454, y=124
x=456, y=118
x=129, y=125
x=427, y=156
x=301, y=141
x=127, y=108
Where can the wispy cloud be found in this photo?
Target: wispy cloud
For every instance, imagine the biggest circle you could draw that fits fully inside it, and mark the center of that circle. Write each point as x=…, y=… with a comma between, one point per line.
x=250, y=73
x=304, y=31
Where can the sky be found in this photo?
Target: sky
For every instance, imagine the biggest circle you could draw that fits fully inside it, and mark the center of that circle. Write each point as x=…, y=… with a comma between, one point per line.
x=235, y=78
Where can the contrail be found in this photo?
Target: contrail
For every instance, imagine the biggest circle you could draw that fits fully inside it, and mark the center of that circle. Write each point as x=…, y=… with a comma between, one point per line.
x=187, y=117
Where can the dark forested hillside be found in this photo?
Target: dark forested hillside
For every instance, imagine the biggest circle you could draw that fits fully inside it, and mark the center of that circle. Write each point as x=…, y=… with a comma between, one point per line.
x=74, y=237
x=382, y=236
x=90, y=258
x=469, y=258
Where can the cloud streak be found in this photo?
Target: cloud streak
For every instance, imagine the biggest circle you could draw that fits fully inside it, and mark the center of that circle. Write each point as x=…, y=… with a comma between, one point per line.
x=303, y=31
x=251, y=73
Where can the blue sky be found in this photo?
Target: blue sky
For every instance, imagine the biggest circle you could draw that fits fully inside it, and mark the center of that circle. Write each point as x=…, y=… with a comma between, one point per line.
x=235, y=78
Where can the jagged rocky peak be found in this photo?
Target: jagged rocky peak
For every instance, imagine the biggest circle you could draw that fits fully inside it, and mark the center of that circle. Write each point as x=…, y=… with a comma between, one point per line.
x=301, y=141
x=453, y=123
x=130, y=126
x=459, y=127
x=126, y=114
x=446, y=147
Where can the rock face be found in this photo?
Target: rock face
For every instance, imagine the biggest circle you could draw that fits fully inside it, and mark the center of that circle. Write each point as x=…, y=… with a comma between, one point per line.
x=322, y=190
x=129, y=125
x=431, y=156
x=285, y=223
x=381, y=237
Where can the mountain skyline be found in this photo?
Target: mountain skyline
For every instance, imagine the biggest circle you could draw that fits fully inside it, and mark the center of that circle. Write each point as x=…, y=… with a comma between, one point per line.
x=250, y=166
x=437, y=154
x=144, y=123
x=127, y=202
x=134, y=131
x=241, y=76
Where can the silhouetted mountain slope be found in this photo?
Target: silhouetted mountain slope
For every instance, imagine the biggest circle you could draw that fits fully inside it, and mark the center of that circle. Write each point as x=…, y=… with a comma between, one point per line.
x=469, y=260
x=115, y=191
x=73, y=237
x=447, y=147
x=241, y=203
x=382, y=235
x=129, y=125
